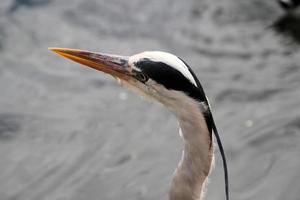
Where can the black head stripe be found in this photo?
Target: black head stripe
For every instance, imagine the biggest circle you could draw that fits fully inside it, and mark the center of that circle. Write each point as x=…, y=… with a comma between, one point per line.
x=170, y=78
x=173, y=79
x=208, y=116
x=195, y=78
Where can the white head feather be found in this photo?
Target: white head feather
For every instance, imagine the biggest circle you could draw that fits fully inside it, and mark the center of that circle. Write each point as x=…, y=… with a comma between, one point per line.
x=167, y=58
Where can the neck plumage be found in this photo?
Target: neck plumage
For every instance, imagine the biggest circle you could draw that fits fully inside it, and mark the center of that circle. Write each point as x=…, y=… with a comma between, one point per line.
x=191, y=174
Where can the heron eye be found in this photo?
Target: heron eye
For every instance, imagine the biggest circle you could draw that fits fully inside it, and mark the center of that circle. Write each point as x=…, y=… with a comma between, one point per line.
x=142, y=77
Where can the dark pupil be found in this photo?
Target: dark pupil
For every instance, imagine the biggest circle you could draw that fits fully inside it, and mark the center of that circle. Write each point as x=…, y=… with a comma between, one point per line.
x=142, y=77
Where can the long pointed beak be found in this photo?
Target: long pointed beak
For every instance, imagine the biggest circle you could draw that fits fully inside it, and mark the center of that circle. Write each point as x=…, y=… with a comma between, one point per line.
x=115, y=65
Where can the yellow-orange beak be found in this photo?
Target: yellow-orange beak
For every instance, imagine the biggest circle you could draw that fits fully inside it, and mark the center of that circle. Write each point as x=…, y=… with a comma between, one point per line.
x=115, y=65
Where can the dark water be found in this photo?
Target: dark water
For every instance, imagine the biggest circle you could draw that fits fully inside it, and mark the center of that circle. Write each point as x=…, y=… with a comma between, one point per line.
x=67, y=132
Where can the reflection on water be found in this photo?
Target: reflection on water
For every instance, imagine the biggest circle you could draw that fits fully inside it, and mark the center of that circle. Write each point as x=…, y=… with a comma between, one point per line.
x=289, y=26
x=28, y=3
x=289, y=5
x=2, y=38
x=9, y=126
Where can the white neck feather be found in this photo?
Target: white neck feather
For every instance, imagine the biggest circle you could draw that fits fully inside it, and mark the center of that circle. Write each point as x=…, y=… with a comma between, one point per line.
x=193, y=169
x=191, y=174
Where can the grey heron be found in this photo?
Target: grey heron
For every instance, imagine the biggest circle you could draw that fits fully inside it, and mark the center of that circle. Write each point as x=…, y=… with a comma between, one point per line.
x=165, y=78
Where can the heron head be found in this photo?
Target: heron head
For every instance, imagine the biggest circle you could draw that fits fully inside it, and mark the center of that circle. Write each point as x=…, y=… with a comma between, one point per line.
x=156, y=75
x=169, y=80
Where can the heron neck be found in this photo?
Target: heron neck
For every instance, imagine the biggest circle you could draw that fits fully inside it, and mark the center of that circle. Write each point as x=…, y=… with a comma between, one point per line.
x=194, y=167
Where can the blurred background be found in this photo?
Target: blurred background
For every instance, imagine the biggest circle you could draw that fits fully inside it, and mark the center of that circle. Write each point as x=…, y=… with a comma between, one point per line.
x=71, y=133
